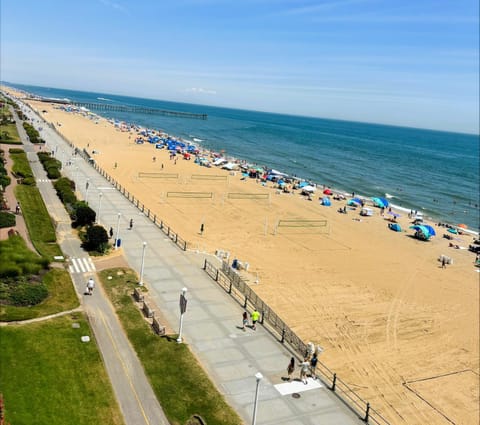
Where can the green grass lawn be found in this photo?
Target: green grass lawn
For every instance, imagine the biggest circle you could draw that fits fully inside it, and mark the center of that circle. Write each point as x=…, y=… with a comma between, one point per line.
x=12, y=134
x=39, y=222
x=61, y=297
x=21, y=167
x=180, y=384
x=49, y=377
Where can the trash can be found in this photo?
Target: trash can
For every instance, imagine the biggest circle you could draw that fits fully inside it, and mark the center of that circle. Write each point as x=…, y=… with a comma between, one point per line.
x=119, y=242
x=235, y=263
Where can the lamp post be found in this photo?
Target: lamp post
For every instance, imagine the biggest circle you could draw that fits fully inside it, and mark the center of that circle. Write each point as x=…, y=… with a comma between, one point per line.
x=143, y=263
x=99, y=206
x=258, y=377
x=118, y=230
x=87, y=186
x=183, y=309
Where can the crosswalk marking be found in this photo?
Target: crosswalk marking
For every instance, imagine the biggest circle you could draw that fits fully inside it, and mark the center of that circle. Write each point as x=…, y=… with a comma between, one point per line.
x=43, y=180
x=81, y=265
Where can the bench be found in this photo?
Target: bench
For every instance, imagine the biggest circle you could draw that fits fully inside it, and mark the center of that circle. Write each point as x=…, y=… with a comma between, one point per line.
x=157, y=327
x=147, y=311
x=137, y=294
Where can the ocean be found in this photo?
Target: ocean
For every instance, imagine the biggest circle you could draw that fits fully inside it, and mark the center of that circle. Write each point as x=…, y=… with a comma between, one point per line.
x=430, y=171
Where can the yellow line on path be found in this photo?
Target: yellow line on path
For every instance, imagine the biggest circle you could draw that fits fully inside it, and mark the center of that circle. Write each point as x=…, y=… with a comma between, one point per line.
x=124, y=368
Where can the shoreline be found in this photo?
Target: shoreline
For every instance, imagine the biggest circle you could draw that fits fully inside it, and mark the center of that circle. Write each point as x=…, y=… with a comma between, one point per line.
x=429, y=212
x=378, y=302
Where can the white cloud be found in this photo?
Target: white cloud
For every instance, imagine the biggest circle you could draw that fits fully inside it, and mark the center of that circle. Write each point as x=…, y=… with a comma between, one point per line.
x=114, y=5
x=199, y=90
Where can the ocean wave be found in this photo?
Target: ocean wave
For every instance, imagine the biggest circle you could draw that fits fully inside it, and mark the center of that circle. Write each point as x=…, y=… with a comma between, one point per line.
x=104, y=98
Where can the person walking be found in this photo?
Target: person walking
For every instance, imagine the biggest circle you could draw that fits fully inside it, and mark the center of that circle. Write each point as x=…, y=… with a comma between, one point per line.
x=111, y=232
x=90, y=286
x=202, y=228
x=244, y=320
x=304, y=368
x=313, y=365
x=131, y=223
x=291, y=368
x=255, y=316
x=444, y=262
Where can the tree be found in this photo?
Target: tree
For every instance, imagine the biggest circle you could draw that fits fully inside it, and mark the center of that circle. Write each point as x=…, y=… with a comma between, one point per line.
x=84, y=215
x=96, y=239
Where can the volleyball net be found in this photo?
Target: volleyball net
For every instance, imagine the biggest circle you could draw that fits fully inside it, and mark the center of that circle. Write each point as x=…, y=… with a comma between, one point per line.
x=190, y=195
x=209, y=177
x=302, y=226
x=143, y=174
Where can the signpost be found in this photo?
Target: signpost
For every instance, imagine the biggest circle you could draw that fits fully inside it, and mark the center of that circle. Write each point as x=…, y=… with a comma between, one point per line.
x=183, y=309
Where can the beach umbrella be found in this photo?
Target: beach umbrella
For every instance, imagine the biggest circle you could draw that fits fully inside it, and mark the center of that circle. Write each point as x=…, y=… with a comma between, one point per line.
x=430, y=229
x=308, y=189
x=353, y=202
x=303, y=184
x=463, y=226
x=385, y=202
x=378, y=202
x=327, y=192
x=326, y=201
x=357, y=200
x=421, y=232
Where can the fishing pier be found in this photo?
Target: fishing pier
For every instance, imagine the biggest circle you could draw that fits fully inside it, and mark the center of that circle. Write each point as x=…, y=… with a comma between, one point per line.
x=127, y=108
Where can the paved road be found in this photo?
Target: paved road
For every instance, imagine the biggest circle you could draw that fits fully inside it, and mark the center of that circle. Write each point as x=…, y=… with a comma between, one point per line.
x=231, y=356
x=134, y=394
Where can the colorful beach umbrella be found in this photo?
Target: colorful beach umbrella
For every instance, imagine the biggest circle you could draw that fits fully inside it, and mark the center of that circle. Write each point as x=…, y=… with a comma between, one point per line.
x=421, y=232
x=380, y=202
x=327, y=192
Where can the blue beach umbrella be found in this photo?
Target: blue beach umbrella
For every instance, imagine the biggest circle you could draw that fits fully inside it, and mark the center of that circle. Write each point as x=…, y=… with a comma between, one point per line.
x=380, y=202
x=326, y=201
x=430, y=229
x=421, y=232
x=385, y=202
x=354, y=202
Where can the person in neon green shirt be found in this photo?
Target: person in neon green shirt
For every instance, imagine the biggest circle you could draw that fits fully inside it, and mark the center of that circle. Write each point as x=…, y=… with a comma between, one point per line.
x=254, y=316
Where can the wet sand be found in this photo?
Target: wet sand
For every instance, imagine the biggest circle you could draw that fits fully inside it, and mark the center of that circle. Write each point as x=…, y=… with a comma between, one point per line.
x=395, y=326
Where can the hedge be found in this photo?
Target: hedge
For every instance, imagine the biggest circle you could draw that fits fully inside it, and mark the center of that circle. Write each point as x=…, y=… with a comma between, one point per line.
x=7, y=219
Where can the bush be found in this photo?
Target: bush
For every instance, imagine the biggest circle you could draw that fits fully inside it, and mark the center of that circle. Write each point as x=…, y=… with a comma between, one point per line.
x=29, y=181
x=7, y=219
x=24, y=293
x=83, y=215
x=53, y=173
x=96, y=239
x=63, y=186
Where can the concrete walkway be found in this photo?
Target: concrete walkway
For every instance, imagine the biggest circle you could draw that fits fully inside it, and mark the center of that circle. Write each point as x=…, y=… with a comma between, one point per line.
x=133, y=392
x=231, y=356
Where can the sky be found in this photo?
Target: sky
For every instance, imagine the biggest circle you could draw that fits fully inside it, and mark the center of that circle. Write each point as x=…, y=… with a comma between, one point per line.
x=412, y=62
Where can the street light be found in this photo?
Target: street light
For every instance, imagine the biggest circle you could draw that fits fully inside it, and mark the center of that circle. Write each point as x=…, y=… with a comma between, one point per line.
x=118, y=230
x=183, y=309
x=258, y=377
x=143, y=262
x=99, y=206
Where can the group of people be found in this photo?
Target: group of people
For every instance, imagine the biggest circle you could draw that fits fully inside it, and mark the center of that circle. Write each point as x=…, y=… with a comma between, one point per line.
x=254, y=316
x=307, y=368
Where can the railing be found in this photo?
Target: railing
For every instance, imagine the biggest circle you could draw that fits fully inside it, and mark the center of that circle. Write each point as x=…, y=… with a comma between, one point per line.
x=233, y=284
x=182, y=243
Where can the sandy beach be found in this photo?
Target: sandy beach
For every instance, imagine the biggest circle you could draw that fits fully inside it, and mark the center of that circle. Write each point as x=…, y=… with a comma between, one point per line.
x=399, y=329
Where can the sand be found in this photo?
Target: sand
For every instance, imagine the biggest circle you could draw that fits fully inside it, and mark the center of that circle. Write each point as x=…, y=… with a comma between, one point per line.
x=395, y=326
